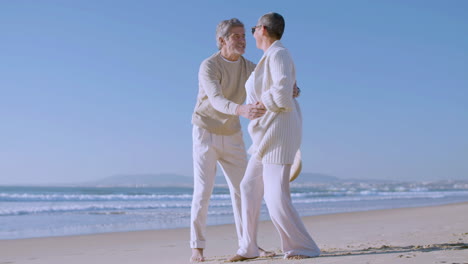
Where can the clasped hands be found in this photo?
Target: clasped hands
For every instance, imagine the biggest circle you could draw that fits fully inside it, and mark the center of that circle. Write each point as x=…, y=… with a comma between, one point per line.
x=251, y=111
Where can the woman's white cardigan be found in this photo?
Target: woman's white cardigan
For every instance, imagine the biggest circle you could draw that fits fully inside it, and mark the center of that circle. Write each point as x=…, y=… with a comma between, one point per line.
x=277, y=135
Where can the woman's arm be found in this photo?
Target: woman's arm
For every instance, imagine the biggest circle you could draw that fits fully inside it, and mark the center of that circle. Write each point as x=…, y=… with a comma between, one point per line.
x=279, y=97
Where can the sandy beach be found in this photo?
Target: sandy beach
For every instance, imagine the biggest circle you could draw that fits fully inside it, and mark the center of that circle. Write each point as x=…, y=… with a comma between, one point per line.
x=437, y=234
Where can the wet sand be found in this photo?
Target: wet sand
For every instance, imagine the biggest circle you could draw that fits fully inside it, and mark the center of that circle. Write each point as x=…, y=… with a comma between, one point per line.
x=437, y=234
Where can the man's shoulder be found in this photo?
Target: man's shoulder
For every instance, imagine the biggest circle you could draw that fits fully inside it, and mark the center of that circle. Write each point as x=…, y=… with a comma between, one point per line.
x=247, y=61
x=250, y=65
x=210, y=65
x=211, y=59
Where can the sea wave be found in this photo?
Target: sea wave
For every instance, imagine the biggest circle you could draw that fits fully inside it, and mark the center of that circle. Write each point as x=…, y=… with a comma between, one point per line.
x=94, y=208
x=113, y=204
x=98, y=197
x=58, y=197
x=373, y=193
x=383, y=196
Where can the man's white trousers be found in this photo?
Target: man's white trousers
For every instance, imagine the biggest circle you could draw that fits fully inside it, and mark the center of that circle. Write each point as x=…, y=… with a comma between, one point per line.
x=229, y=152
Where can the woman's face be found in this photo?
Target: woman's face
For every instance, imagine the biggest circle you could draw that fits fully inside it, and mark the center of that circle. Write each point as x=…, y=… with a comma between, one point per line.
x=257, y=34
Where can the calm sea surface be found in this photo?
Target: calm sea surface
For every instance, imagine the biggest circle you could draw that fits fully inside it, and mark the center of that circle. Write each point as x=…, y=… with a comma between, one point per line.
x=58, y=211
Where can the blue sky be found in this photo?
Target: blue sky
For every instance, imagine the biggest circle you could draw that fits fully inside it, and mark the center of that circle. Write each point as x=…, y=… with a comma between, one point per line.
x=91, y=89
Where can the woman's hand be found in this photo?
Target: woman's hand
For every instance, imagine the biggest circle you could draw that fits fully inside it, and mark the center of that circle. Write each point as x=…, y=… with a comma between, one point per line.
x=296, y=91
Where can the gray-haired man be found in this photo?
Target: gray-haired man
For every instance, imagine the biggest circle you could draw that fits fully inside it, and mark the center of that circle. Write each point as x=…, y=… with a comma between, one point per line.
x=217, y=135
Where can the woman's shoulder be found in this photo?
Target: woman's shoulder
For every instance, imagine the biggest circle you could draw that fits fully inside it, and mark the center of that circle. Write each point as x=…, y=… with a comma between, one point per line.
x=280, y=53
x=277, y=48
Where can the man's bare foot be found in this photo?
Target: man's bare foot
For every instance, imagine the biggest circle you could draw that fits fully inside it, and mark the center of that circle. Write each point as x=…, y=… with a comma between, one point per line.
x=297, y=257
x=238, y=258
x=197, y=255
x=266, y=254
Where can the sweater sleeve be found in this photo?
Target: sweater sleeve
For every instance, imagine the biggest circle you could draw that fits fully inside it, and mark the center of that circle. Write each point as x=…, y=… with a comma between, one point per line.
x=279, y=97
x=209, y=77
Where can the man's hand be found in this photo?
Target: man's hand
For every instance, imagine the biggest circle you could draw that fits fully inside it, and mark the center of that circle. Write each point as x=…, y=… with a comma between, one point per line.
x=251, y=111
x=296, y=91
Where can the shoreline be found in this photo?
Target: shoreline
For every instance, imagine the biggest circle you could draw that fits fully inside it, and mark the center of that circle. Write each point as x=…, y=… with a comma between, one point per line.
x=358, y=210
x=404, y=235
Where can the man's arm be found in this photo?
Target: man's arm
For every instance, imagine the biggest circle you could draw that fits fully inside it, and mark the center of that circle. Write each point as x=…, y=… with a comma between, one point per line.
x=210, y=80
x=251, y=111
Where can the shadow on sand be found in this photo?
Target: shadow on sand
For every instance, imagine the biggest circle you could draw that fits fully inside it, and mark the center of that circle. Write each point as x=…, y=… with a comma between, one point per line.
x=385, y=249
x=395, y=249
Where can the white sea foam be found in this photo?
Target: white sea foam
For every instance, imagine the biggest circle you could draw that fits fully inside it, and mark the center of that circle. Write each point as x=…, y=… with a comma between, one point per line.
x=50, y=211
x=94, y=207
x=107, y=204
x=97, y=197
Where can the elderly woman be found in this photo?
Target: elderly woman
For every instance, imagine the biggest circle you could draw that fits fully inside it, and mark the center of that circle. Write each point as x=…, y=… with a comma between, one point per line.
x=276, y=138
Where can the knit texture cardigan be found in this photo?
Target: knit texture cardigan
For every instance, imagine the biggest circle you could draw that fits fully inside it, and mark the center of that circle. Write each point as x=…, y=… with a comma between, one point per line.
x=276, y=136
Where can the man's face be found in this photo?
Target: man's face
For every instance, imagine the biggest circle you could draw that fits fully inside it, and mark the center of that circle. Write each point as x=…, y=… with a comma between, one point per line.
x=235, y=42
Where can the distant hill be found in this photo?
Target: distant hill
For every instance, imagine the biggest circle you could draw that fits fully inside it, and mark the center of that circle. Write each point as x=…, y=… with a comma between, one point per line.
x=179, y=180
x=163, y=180
x=308, y=177
x=144, y=180
x=303, y=178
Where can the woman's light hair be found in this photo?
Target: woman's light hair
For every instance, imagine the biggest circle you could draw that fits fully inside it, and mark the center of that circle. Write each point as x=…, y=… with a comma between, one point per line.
x=224, y=27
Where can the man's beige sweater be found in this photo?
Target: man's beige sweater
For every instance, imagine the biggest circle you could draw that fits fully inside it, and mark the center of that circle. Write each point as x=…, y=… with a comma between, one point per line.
x=221, y=91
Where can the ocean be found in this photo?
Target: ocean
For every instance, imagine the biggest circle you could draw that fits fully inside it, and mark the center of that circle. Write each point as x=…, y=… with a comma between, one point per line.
x=27, y=212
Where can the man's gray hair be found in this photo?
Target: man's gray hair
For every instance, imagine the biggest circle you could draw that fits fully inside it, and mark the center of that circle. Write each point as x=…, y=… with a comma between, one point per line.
x=274, y=24
x=224, y=27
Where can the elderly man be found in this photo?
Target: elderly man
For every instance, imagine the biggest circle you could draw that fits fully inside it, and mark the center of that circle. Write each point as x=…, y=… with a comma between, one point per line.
x=217, y=135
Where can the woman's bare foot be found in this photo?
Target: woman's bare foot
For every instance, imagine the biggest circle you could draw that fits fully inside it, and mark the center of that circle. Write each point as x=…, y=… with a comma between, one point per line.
x=197, y=255
x=238, y=258
x=297, y=257
x=266, y=254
